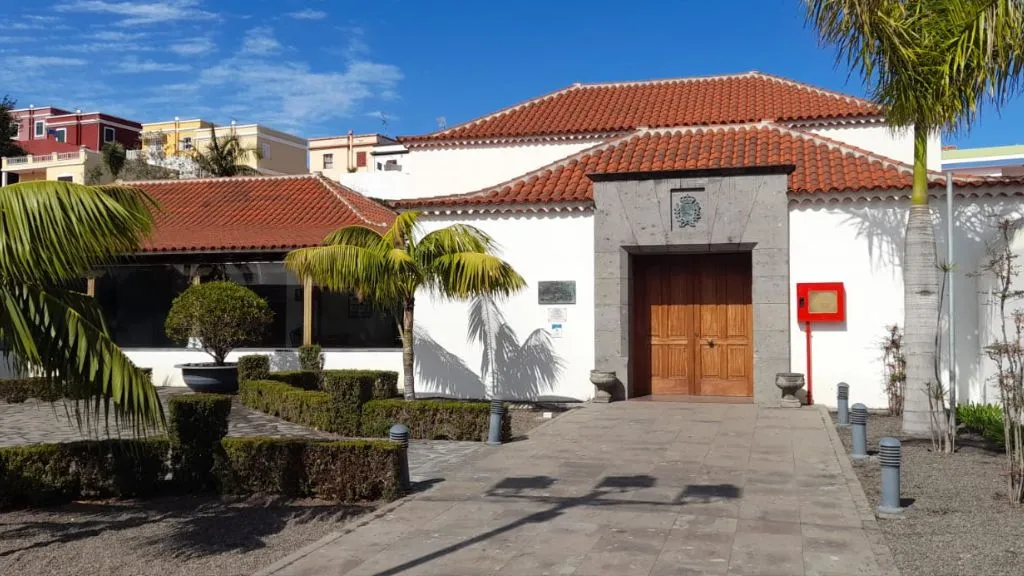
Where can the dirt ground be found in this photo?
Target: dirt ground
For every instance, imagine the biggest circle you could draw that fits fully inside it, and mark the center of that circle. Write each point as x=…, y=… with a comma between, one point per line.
x=957, y=518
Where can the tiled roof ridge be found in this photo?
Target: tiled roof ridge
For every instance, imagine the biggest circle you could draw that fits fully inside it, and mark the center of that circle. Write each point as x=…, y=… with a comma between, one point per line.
x=217, y=179
x=340, y=190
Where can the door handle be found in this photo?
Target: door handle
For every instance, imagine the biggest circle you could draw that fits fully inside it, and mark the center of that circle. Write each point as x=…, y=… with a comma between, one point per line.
x=711, y=343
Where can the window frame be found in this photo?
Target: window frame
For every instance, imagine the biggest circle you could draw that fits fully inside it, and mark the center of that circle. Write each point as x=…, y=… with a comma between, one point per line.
x=63, y=138
x=328, y=161
x=265, y=150
x=113, y=134
x=361, y=159
x=65, y=178
x=39, y=128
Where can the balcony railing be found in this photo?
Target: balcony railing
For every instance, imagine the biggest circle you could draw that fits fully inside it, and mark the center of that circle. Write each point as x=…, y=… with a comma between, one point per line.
x=32, y=161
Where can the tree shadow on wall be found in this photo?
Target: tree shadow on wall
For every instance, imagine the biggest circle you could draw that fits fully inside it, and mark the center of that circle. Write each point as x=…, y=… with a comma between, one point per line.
x=509, y=370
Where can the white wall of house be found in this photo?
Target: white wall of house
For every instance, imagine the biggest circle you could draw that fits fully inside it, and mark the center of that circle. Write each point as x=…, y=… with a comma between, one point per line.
x=163, y=361
x=881, y=140
x=861, y=245
x=552, y=246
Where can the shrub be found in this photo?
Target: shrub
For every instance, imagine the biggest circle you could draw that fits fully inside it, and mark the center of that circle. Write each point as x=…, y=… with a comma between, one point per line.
x=253, y=367
x=53, y=473
x=21, y=389
x=197, y=423
x=983, y=419
x=303, y=379
x=432, y=419
x=311, y=358
x=222, y=315
x=309, y=408
x=348, y=471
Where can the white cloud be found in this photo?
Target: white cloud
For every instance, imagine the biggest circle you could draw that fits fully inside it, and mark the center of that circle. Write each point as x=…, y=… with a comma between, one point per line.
x=140, y=13
x=44, y=61
x=308, y=14
x=132, y=65
x=260, y=41
x=290, y=95
x=193, y=46
x=115, y=36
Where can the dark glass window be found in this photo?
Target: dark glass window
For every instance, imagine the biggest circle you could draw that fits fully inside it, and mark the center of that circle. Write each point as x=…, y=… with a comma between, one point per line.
x=135, y=301
x=278, y=287
x=341, y=321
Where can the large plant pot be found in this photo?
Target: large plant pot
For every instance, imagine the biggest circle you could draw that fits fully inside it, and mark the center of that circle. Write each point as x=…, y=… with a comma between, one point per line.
x=605, y=382
x=208, y=377
x=789, y=383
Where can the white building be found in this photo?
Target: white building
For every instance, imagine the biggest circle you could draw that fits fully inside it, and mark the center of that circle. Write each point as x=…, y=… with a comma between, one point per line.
x=662, y=228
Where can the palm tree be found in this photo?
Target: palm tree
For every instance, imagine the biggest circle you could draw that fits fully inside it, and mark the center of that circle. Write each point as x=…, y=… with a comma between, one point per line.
x=52, y=233
x=930, y=64
x=225, y=156
x=114, y=157
x=386, y=270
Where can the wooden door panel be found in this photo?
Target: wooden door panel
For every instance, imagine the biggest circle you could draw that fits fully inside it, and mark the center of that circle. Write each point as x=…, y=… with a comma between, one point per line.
x=726, y=329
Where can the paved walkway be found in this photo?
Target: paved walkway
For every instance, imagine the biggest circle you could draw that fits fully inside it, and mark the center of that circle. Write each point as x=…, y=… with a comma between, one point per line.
x=629, y=488
x=35, y=422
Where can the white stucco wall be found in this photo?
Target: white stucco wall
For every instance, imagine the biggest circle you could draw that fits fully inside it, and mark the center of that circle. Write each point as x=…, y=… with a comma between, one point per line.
x=881, y=140
x=861, y=245
x=442, y=171
x=163, y=361
x=555, y=246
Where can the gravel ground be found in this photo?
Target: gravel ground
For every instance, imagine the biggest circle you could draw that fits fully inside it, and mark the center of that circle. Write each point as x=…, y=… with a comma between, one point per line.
x=957, y=519
x=173, y=536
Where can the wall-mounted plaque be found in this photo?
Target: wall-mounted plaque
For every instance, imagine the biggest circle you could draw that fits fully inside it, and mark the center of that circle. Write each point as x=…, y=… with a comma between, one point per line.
x=556, y=292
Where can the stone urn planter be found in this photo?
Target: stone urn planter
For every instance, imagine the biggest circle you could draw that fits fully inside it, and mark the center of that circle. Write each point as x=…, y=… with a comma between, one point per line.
x=789, y=383
x=604, y=381
x=209, y=377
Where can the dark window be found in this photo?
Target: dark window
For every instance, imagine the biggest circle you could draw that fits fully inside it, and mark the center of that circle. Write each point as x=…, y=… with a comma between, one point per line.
x=135, y=302
x=342, y=321
x=360, y=159
x=109, y=134
x=65, y=179
x=328, y=161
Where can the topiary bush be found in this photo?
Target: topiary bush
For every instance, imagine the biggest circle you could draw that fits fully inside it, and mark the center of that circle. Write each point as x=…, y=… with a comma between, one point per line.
x=253, y=367
x=349, y=471
x=55, y=473
x=196, y=423
x=311, y=358
x=433, y=419
x=304, y=379
x=221, y=315
x=305, y=407
x=21, y=389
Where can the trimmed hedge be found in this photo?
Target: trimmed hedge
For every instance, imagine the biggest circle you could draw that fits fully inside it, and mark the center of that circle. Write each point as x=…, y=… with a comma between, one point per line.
x=350, y=471
x=196, y=423
x=304, y=379
x=55, y=473
x=351, y=389
x=253, y=367
x=21, y=389
x=433, y=419
x=306, y=407
x=311, y=358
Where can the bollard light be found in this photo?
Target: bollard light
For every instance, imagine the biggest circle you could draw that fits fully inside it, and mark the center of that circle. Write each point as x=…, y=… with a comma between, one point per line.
x=494, y=432
x=859, y=426
x=843, y=404
x=889, y=459
x=399, y=433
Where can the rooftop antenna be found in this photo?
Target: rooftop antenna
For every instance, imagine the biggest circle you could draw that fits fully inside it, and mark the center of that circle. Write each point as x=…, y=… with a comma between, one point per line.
x=442, y=122
x=384, y=122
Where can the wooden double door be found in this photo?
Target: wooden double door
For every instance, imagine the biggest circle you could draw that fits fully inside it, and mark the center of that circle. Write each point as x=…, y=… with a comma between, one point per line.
x=692, y=322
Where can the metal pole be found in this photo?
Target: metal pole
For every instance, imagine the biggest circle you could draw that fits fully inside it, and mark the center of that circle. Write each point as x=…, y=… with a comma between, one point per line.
x=889, y=462
x=859, y=425
x=494, y=431
x=950, y=323
x=843, y=404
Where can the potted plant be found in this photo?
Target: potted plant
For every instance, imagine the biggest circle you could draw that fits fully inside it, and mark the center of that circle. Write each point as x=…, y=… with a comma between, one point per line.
x=218, y=316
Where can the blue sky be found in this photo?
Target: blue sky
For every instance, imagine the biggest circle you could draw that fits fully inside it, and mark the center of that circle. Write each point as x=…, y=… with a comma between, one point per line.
x=320, y=67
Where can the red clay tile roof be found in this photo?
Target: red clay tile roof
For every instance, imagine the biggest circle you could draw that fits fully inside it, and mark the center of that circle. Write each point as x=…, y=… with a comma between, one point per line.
x=45, y=146
x=613, y=108
x=820, y=164
x=257, y=213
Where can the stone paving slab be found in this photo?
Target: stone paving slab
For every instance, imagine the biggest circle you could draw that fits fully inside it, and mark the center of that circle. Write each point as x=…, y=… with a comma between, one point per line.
x=629, y=488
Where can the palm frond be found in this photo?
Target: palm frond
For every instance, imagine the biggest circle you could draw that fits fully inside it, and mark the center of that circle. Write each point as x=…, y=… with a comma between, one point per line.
x=52, y=232
x=467, y=274
x=225, y=156
x=61, y=334
x=454, y=238
x=348, y=268
x=356, y=236
x=404, y=231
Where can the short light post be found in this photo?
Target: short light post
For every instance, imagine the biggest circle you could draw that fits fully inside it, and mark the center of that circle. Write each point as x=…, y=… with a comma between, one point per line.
x=859, y=421
x=843, y=404
x=494, y=431
x=889, y=457
x=399, y=433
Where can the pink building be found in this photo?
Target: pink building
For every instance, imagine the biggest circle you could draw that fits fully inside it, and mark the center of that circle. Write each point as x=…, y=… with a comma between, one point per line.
x=89, y=129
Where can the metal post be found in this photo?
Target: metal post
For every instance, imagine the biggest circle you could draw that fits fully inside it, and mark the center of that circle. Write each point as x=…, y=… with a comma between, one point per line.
x=494, y=432
x=843, y=404
x=859, y=421
x=889, y=460
x=950, y=316
x=400, y=434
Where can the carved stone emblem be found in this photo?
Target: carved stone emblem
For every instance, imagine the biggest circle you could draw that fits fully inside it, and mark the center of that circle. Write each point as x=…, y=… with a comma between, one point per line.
x=686, y=211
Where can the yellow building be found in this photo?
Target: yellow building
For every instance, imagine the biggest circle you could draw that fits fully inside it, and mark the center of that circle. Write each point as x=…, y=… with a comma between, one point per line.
x=335, y=156
x=65, y=166
x=282, y=153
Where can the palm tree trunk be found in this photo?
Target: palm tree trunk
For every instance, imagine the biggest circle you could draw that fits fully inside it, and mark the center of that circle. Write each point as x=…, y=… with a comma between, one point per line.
x=408, y=359
x=920, y=296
